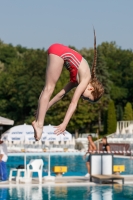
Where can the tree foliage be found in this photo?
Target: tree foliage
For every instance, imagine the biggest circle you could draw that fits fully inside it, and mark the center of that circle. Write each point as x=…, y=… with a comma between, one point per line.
x=128, y=112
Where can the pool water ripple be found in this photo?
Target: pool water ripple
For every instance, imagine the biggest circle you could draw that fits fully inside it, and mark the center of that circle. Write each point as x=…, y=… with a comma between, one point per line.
x=115, y=192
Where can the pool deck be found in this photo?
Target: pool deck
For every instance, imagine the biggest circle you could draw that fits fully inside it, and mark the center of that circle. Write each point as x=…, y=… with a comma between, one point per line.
x=63, y=181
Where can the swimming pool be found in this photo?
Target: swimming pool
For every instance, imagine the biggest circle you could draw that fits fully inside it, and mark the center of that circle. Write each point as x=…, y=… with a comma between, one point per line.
x=115, y=192
x=75, y=163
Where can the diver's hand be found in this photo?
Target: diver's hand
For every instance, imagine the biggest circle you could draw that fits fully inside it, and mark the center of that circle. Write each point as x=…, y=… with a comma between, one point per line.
x=60, y=129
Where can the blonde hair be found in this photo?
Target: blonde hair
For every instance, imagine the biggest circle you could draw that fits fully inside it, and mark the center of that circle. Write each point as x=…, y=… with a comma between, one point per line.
x=97, y=85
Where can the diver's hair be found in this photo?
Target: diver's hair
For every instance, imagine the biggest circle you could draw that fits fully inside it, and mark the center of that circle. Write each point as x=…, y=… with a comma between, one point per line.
x=93, y=70
x=98, y=87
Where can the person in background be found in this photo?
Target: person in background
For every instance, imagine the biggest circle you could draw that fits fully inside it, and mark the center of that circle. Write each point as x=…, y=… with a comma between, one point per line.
x=91, y=149
x=3, y=160
x=105, y=146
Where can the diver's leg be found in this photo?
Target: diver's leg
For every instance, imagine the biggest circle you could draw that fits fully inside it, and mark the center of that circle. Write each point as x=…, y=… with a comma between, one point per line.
x=53, y=72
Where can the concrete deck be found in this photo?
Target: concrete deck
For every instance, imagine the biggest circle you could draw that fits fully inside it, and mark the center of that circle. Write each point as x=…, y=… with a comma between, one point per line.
x=63, y=181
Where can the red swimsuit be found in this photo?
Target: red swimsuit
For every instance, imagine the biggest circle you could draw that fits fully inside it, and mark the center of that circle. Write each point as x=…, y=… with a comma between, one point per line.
x=72, y=59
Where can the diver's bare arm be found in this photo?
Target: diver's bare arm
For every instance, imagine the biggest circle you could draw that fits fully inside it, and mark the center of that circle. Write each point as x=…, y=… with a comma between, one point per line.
x=61, y=94
x=72, y=107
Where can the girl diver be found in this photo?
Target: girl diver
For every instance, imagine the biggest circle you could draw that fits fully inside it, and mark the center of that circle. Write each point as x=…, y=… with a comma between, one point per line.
x=86, y=83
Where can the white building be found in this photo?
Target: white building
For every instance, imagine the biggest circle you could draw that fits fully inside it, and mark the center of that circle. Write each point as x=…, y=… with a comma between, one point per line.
x=124, y=127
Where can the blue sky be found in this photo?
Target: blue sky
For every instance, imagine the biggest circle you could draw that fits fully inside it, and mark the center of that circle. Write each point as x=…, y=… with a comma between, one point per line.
x=39, y=23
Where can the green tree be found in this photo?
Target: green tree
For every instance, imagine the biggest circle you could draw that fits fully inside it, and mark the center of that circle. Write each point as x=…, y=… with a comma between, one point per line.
x=120, y=67
x=119, y=112
x=7, y=54
x=104, y=77
x=102, y=71
x=111, y=118
x=20, y=85
x=128, y=112
x=105, y=122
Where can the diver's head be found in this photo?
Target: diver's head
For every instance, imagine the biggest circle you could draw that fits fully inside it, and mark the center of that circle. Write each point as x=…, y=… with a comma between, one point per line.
x=93, y=91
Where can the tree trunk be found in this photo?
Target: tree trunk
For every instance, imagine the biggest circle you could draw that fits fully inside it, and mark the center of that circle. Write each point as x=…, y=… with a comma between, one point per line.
x=99, y=121
x=76, y=133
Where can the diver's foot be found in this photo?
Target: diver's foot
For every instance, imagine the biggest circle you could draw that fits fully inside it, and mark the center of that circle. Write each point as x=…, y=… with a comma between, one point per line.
x=37, y=130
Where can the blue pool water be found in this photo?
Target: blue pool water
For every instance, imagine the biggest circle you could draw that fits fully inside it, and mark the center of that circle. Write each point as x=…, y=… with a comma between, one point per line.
x=75, y=163
x=115, y=192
